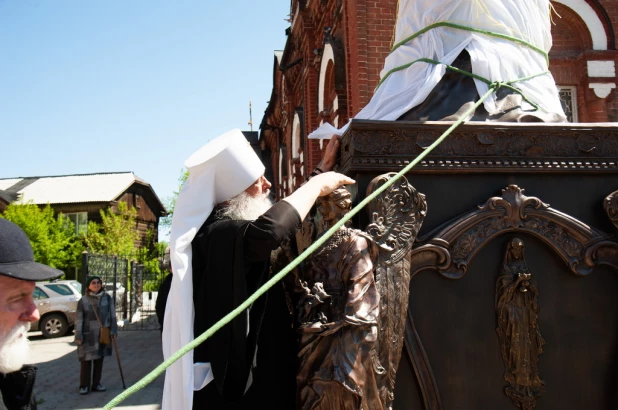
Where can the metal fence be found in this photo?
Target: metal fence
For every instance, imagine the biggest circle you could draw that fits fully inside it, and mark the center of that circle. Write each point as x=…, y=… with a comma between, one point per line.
x=132, y=286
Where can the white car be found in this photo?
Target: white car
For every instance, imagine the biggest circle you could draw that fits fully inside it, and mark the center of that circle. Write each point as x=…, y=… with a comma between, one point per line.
x=57, y=304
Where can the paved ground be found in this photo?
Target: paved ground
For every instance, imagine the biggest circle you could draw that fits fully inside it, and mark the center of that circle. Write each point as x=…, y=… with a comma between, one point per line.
x=57, y=381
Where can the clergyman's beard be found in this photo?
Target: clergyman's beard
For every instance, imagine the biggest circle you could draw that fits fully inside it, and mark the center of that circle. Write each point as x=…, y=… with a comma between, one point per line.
x=14, y=348
x=244, y=207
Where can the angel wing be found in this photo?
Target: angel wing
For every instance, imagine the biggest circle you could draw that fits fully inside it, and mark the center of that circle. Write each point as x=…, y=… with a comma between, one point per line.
x=396, y=218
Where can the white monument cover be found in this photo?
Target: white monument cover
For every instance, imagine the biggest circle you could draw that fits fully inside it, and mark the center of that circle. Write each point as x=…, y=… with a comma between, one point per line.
x=495, y=59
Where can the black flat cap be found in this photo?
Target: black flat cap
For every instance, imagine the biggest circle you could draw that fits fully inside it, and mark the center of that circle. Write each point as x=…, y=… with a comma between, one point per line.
x=17, y=258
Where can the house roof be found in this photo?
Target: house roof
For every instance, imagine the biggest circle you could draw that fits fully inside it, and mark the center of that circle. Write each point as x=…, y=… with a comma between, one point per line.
x=66, y=189
x=7, y=197
x=7, y=183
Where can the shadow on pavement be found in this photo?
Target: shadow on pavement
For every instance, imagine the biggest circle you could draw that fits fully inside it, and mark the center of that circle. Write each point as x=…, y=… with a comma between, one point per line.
x=57, y=381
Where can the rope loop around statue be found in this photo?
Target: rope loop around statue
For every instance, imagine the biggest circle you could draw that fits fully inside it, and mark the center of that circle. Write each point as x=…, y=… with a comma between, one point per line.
x=474, y=30
x=276, y=278
x=495, y=85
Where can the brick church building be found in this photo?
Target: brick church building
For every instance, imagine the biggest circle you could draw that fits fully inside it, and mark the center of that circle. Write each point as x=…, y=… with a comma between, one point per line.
x=335, y=50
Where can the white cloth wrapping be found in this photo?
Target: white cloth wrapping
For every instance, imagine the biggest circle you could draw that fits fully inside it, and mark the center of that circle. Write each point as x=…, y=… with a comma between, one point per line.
x=218, y=171
x=492, y=58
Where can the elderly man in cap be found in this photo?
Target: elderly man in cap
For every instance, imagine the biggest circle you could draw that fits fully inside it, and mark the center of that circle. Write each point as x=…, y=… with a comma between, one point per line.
x=18, y=273
x=223, y=231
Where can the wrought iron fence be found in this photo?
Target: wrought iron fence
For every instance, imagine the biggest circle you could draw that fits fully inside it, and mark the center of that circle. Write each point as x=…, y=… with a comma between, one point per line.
x=133, y=287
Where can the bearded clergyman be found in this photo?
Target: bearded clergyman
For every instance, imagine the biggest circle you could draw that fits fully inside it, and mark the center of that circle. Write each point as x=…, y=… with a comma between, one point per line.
x=224, y=229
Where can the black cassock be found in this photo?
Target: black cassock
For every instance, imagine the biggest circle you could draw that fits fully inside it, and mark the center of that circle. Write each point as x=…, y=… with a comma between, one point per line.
x=230, y=262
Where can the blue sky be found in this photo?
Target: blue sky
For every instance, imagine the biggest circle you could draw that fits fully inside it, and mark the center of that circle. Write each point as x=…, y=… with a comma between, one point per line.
x=130, y=85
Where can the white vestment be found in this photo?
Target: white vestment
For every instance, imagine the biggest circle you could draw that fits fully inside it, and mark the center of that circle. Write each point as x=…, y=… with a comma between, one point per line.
x=218, y=171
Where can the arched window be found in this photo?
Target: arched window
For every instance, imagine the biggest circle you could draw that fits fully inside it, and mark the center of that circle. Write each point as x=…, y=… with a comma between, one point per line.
x=280, y=180
x=592, y=20
x=283, y=164
x=296, y=136
x=327, y=74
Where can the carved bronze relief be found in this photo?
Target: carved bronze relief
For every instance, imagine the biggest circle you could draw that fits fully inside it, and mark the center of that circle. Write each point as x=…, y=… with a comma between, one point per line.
x=518, y=331
x=396, y=218
x=378, y=146
x=451, y=247
x=610, y=204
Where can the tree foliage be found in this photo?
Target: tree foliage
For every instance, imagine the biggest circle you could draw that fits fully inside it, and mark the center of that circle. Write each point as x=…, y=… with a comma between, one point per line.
x=165, y=223
x=117, y=233
x=53, y=239
x=56, y=244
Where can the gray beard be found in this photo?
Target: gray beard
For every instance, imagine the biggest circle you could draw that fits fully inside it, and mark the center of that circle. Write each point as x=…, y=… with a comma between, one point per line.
x=14, y=348
x=244, y=207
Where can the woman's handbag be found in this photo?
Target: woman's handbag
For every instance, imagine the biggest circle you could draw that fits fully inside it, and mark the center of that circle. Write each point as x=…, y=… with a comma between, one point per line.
x=105, y=337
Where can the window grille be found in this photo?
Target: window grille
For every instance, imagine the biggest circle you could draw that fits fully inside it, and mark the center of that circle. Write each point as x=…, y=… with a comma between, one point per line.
x=568, y=99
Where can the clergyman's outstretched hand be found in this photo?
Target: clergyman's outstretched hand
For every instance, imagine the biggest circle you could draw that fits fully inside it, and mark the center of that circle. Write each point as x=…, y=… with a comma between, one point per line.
x=330, y=154
x=329, y=181
x=320, y=185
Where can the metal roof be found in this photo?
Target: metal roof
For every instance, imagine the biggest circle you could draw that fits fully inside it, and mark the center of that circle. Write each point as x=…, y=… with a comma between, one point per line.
x=7, y=183
x=72, y=188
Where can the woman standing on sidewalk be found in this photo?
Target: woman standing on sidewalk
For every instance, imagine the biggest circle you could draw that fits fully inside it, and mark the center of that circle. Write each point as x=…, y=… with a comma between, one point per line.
x=95, y=310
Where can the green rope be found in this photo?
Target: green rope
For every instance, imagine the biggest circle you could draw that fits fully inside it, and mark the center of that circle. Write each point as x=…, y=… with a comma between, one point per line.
x=246, y=304
x=474, y=30
x=506, y=84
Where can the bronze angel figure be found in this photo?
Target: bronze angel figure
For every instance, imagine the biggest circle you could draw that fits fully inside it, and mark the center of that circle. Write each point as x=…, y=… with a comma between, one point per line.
x=351, y=299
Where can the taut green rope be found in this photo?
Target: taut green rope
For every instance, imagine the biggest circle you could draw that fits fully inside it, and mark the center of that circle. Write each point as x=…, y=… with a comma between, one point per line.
x=246, y=304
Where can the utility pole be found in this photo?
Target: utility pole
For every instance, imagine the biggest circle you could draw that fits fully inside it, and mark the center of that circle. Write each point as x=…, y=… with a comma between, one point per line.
x=250, y=118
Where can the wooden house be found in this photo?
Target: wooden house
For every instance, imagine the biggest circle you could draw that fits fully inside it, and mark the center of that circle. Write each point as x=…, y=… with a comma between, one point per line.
x=82, y=197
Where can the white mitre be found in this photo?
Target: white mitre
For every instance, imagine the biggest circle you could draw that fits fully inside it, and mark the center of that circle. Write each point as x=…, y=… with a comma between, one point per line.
x=219, y=171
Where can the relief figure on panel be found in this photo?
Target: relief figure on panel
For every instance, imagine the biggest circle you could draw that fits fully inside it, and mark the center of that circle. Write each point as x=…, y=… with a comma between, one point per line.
x=518, y=331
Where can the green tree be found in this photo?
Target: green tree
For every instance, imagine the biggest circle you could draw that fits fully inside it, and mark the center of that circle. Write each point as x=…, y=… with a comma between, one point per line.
x=53, y=239
x=165, y=224
x=152, y=259
x=116, y=235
